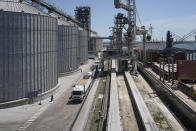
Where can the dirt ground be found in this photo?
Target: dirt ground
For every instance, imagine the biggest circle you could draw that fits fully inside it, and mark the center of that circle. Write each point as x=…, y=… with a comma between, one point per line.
x=127, y=114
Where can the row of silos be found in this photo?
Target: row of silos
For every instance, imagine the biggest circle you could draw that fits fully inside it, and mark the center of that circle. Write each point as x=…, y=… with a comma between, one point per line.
x=73, y=47
x=68, y=46
x=95, y=45
x=34, y=48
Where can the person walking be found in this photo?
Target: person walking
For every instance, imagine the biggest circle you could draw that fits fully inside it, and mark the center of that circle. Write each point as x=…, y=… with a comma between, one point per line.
x=51, y=98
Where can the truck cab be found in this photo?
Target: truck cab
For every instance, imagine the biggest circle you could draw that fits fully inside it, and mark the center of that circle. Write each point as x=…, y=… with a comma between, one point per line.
x=82, y=87
x=78, y=93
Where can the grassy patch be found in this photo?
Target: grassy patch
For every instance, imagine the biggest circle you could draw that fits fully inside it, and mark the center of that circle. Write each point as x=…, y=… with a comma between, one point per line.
x=160, y=121
x=95, y=119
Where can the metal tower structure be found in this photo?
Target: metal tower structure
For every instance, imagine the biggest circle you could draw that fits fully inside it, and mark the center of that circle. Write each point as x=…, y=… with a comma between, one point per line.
x=150, y=29
x=120, y=22
x=130, y=7
x=83, y=15
x=132, y=19
x=132, y=30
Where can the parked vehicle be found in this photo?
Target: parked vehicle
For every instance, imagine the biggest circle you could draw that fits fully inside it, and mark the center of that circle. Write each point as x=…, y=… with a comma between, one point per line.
x=81, y=88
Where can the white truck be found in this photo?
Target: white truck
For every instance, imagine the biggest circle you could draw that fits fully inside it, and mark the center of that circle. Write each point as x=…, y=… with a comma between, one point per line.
x=81, y=88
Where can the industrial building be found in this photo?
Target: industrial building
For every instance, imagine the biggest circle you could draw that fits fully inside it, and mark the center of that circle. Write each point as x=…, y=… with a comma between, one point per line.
x=55, y=74
x=35, y=47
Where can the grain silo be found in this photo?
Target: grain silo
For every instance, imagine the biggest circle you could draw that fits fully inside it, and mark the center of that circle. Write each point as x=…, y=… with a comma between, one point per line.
x=28, y=50
x=95, y=45
x=68, y=55
x=74, y=48
x=83, y=44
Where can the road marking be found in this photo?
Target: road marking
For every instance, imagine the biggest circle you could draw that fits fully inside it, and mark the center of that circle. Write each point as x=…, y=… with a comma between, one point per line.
x=60, y=91
x=32, y=119
x=59, y=105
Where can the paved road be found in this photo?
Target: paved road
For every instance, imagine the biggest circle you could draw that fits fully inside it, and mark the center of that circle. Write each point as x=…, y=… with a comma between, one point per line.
x=84, y=113
x=61, y=114
x=54, y=116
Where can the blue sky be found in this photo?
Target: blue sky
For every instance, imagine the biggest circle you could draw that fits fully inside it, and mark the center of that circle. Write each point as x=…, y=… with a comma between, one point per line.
x=179, y=16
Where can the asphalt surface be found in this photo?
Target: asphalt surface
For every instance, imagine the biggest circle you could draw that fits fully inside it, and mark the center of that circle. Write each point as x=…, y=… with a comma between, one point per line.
x=61, y=114
x=50, y=116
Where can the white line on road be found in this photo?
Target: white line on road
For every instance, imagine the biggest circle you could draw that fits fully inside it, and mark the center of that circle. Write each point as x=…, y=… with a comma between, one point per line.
x=33, y=118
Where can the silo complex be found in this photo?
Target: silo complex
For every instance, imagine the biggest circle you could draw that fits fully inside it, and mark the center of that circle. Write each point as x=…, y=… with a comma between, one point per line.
x=95, y=45
x=67, y=48
x=83, y=44
x=28, y=51
x=99, y=44
x=72, y=46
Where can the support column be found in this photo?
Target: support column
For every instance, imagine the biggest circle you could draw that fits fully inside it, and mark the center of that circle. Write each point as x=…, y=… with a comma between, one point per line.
x=189, y=56
x=160, y=68
x=172, y=70
x=192, y=56
x=185, y=56
x=144, y=47
x=168, y=60
x=163, y=71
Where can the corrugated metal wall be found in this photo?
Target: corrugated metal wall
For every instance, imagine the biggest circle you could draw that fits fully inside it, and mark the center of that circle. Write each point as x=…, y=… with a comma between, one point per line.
x=68, y=55
x=186, y=70
x=95, y=44
x=63, y=54
x=28, y=54
x=99, y=44
x=83, y=46
x=74, y=47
